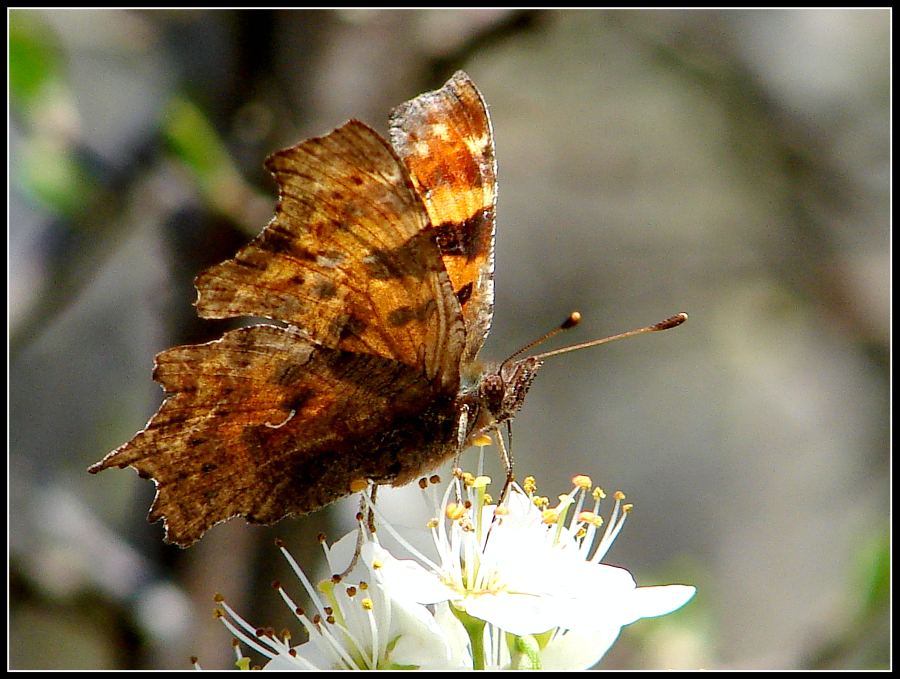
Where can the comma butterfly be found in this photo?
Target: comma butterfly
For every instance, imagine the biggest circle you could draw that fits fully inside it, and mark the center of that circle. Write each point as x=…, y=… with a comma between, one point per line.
x=379, y=265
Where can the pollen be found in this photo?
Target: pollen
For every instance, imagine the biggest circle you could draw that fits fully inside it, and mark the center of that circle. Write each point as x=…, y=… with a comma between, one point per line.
x=358, y=485
x=540, y=501
x=582, y=481
x=481, y=440
x=598, y=493
x=619, y=495
x=367, y=604
x=550, y=516
x=455, y=511
x=590, y=518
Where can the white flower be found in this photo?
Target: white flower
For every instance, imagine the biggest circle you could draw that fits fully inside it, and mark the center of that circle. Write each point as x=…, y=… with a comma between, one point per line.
x=515, y=587
x=527, y=572
x=358, y=626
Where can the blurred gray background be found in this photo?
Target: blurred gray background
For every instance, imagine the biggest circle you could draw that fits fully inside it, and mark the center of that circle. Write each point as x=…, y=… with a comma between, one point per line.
x=731, y=164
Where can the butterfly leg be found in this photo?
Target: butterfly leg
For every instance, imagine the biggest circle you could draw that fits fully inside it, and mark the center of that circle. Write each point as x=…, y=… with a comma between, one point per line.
x=506, y=456
x=361, y=528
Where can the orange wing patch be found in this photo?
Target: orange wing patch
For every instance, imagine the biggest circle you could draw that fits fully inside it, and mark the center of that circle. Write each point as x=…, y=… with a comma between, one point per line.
x=445, y=139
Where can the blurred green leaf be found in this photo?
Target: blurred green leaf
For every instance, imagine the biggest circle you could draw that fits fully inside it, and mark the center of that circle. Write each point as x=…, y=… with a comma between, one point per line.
x=35, y=62
x=874, y=573
x=195, y=142
x=52, y=175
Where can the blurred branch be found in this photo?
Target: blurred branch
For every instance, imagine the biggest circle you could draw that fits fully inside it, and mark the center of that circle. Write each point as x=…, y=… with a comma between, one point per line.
x=510, y=25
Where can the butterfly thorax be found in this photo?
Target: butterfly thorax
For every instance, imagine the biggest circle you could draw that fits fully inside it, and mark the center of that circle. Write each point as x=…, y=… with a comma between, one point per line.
x=495, y=394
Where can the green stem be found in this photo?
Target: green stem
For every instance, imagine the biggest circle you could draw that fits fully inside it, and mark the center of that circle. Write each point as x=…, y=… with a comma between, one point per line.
x=526, y=652
x=475, y=629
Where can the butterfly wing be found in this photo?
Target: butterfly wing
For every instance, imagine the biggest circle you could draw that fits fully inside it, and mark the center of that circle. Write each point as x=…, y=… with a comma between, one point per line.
x=445, y=139
x=348, y=258
x=263, y=423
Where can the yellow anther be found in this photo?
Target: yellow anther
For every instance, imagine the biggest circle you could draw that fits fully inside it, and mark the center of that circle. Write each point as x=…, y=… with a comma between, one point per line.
x=376, y=564
x=619, y=495
x=590, y=518
x=627, y=507
x=529, y=485
x=432, y=523
x=501, y=511
x=550, y=516
x=455, y=511
x=540, y=501
x=468, y=478
x=358, y=485
x=481, y=440
x=582, y=481
x=367, y=604
x=488, y=499
x=598, y=493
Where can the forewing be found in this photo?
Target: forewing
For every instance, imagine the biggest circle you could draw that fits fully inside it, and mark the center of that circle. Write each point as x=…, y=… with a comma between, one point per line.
x=445, y=139
x=347, y=258
x=264, y=424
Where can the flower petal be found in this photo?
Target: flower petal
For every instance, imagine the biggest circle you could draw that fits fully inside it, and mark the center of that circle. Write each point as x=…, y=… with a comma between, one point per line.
x=649, y=602
x=405, y=578
x=577, y=650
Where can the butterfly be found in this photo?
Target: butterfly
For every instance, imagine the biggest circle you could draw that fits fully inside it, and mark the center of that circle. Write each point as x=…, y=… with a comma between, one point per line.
x=378, y=268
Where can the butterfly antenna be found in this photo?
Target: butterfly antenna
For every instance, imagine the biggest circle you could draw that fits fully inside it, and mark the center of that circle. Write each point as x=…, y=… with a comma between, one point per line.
x=671, y=322
x=573, y=320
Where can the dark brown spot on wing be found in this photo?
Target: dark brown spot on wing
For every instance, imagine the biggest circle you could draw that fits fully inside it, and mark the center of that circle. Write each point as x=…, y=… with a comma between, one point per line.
x=405, y=314
x=463, y=239
x=464, y=293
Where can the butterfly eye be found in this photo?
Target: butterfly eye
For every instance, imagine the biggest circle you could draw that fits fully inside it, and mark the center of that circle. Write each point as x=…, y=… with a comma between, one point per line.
x=492, y=392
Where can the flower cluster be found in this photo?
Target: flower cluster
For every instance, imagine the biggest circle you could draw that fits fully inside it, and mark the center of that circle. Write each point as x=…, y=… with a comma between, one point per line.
x=516, y=586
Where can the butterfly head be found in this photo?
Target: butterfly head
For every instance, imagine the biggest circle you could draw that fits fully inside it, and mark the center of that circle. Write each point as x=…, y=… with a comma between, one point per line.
x=502, y=392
